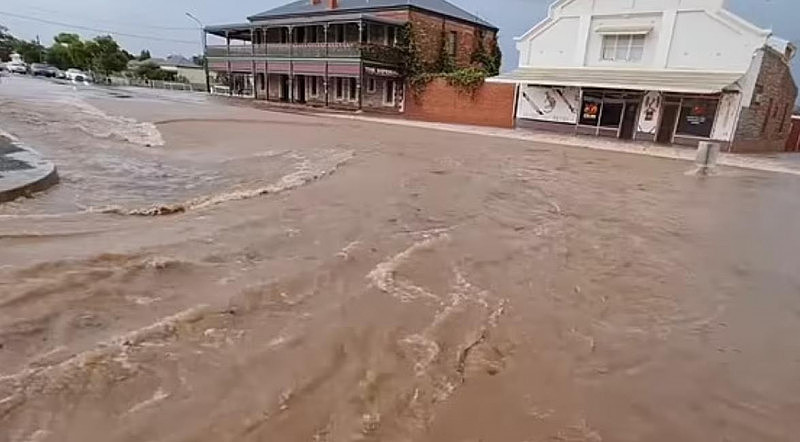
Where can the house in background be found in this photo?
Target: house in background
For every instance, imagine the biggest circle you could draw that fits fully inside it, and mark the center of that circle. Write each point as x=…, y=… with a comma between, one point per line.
x=180, y=65
x=340, y=53
x=669, y=71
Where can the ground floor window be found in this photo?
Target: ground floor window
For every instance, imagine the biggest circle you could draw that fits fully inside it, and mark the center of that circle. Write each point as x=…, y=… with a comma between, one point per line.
x=353, y=89
x=339, y=87
x=389, y=92
x=590, y=109
x=697, y=117
x=314, y=91
x=371, y=86
x=611, y=114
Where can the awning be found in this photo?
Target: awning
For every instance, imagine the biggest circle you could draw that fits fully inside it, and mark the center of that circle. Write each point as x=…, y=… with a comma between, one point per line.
x=682, y=81
x=624, y=29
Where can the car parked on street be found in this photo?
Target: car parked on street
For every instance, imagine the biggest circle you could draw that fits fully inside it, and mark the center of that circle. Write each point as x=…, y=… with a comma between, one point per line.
x=77, y=75
x=17, y=68
x=43, y=70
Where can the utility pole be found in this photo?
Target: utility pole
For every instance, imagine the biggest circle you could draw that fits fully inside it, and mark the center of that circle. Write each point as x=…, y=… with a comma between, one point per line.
x=203, y=42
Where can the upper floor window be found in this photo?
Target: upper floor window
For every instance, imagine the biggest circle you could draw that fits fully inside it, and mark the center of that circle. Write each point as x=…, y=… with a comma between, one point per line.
x=452, y=42
x=627, y=48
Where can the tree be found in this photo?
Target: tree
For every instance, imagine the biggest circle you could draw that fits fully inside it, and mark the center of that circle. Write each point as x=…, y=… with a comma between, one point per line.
x=144, y=55
x=70, y=51
x=58, y=55
x=106, y=56
x=30, y=51
x=7, y=43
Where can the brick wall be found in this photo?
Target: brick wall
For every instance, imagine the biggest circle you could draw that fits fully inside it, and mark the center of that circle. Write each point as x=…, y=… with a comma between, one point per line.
x=764, y=126
x=429, y=30
x=793, y=143
x=492, y=105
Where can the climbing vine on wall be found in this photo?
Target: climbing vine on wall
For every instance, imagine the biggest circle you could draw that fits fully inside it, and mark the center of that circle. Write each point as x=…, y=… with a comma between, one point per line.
x=485, y=63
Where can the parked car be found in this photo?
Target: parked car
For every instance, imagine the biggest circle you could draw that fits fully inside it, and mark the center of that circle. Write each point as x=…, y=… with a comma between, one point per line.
x=60, y=74
x=43, y=70
x=17, y=68
x=77, y=75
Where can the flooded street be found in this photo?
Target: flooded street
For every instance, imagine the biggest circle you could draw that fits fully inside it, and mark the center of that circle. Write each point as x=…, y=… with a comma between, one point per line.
x=316, y=279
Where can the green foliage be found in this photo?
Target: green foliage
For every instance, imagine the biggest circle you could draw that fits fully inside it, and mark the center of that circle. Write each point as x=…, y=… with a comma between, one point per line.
x=487, y=59
x=7, y=43
x=30, y=51
x=59, y=56
x=106, y=56
x=445, y=61
x=152, y=71
x=410, y=65
x=467, y=80
x=144, y=55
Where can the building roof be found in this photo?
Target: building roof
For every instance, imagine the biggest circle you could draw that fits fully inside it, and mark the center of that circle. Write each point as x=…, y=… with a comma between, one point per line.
x=685, y=81
x=305, y=7
x=176, y=61
x=308, y=20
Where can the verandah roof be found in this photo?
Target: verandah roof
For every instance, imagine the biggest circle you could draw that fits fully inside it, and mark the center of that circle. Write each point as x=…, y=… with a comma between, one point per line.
x=242, y=30
x=685, y=81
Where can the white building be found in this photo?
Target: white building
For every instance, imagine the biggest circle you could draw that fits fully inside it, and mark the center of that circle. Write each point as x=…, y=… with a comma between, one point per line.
x=671, y=71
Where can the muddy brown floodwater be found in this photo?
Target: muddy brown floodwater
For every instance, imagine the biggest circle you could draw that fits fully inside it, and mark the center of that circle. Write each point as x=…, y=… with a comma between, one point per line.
x=329, y=280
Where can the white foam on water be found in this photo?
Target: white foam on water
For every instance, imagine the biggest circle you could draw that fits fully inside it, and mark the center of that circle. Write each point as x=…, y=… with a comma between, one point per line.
x=99, y=124
x=383, y=277
x=305, y=173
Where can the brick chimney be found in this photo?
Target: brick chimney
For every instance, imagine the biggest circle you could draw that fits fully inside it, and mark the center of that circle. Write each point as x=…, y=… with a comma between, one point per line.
x=333, y=4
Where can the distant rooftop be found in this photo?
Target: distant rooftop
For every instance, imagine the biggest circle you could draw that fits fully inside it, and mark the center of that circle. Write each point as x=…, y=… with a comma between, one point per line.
x=305, y=7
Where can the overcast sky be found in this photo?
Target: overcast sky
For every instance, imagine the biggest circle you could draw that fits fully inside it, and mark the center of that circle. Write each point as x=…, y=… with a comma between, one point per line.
x=146, y=20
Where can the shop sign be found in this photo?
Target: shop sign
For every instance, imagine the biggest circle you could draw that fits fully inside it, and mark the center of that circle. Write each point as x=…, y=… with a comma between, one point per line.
x=380, y=72
x=555, y=104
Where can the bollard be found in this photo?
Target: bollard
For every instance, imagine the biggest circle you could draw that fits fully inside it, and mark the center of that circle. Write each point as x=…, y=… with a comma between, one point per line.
x=707, y=154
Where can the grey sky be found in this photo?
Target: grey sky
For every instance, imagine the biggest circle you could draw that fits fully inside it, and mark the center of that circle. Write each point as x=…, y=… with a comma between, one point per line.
x=148, y=17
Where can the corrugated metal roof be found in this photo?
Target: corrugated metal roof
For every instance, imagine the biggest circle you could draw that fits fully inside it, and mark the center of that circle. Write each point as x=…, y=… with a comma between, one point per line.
x=220, y=29
x=305, y=7
x=696, y=82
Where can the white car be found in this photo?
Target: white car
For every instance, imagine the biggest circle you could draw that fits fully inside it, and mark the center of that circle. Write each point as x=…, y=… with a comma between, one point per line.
x=77, y=75
x=17, y=68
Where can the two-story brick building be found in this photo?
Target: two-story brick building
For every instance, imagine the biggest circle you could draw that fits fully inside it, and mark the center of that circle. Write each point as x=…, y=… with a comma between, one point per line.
x=669, y=71
x=341, y=53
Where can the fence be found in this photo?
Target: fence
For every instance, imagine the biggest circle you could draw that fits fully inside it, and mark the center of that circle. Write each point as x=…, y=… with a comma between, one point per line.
x=157, y=84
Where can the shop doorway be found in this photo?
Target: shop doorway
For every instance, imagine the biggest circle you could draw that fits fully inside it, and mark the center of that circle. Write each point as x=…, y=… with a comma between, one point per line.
x=284, y=88
x=629, y=117
x=669, y=119
x=300, y=82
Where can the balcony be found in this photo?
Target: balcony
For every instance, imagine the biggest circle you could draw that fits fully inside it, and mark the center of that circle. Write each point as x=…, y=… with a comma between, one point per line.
x=372, y=52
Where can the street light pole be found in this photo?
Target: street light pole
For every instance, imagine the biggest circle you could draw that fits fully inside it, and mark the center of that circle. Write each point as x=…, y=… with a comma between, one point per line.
x=205, y=50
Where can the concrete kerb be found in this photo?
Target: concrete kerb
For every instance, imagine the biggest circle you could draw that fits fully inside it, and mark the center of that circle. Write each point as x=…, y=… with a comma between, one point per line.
x=38, y=175
x=754, y=162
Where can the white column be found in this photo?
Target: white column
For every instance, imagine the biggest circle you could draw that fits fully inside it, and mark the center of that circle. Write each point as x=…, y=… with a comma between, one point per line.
x=665, y=38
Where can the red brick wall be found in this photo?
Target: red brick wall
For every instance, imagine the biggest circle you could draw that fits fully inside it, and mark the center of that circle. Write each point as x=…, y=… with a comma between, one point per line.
x=393, y=15
x=793, y=143
x=429, y=30
x=492, y=105
x=764, y=125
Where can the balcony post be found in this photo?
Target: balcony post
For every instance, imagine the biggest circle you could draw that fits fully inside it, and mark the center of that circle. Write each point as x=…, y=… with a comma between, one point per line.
x=253, y=61
x=360, y=82
x=360, y=32
x=291, y=39
x=327, y=85
x=325, y=27
x=228, y=54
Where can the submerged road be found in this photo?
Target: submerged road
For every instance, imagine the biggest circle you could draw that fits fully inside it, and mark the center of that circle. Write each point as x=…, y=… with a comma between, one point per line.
x=230, y=274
